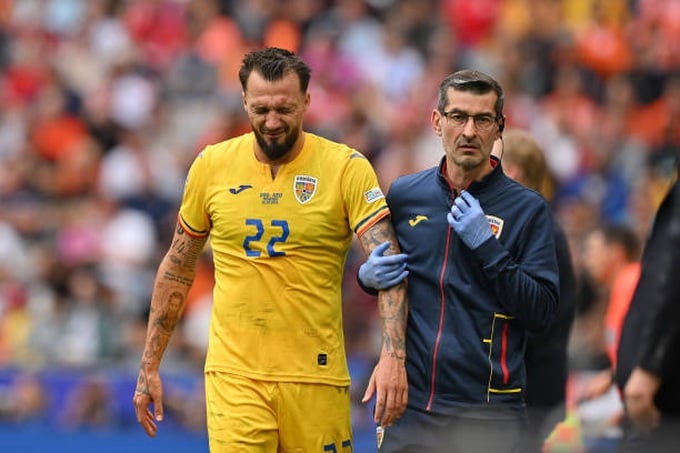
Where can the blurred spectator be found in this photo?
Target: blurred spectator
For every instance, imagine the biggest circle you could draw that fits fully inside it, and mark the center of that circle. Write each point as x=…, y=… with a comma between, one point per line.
x=24, y=400
x=546, y=352
x=601, y=43
x=14, y=263
x=128, y=244
x=15, y=323
x=611, y=259
x=88, y=405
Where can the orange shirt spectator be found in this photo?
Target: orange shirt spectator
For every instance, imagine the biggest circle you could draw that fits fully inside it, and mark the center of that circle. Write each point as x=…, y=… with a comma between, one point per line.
x=603, y=48
x=57, y=137
x=621, y=294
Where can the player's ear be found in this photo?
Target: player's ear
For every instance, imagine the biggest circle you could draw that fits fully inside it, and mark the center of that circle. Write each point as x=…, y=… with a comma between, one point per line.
x=501, y=125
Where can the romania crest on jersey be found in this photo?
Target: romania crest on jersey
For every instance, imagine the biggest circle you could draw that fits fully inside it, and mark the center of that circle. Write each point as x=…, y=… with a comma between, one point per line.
x=304, y=187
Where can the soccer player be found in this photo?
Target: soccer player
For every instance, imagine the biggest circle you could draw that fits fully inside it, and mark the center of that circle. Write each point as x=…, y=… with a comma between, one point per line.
x=280, y=206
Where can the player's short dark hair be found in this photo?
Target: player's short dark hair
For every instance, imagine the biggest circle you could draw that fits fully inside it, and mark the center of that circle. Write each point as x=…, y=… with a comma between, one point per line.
x=273, y=64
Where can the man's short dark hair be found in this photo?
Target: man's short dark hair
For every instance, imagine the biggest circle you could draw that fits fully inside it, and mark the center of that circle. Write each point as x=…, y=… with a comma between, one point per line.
x=273, y=64
x=474, y=81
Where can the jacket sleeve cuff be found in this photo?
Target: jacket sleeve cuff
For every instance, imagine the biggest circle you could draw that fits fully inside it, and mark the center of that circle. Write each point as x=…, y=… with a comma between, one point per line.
x=366, y=289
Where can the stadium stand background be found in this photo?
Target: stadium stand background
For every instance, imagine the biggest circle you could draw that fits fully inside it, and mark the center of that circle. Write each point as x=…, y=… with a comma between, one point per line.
x=104, y=103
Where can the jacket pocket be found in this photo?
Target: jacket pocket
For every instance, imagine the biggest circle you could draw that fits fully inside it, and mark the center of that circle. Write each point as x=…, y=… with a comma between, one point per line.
x=504, y=352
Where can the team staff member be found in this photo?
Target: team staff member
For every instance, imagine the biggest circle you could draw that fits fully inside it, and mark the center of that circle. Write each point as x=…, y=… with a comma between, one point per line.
x=280, y=206
x=648, y=369
x=546, y=352
x=482, y=272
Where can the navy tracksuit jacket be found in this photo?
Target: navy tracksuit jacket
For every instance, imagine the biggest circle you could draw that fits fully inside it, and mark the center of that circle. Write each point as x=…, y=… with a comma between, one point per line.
x=469, y=311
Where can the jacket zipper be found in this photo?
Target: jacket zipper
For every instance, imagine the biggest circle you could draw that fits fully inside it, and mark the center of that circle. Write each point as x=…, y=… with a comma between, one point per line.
x=442, y=305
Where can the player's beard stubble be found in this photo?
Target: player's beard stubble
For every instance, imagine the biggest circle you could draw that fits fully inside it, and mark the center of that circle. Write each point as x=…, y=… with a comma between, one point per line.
x=275, y=150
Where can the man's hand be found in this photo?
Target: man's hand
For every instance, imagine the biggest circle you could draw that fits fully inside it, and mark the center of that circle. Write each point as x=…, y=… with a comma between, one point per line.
x=468, y=220
x=638, y=396
x=149, y=389
x=381, y=272
x=597, y=386
x=389, y=383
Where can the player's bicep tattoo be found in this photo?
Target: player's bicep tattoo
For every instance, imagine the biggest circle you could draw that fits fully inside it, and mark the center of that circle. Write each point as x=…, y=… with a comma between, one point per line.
x=379, y=233
x=185, y=250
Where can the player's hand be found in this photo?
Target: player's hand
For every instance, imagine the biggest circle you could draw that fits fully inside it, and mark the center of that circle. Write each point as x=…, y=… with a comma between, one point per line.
x=380, y=271
x=468, y=220
x=638, y=396
x=149, y=390
x=388, y=382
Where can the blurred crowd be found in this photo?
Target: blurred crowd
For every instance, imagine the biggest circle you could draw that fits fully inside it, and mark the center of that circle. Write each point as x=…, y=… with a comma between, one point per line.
x=105, y=103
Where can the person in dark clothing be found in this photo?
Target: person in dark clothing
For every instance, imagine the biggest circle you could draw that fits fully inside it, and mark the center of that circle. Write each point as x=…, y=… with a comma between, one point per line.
x=546, y=353
x=648, y=371
x=482, y=273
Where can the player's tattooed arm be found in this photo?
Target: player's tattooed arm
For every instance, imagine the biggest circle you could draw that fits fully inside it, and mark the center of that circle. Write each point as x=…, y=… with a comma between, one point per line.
x=173, y=281
x=388, y=382
x=392, y=303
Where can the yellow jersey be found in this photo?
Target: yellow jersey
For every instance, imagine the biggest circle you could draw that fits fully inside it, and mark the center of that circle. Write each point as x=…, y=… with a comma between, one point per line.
x=279, y=246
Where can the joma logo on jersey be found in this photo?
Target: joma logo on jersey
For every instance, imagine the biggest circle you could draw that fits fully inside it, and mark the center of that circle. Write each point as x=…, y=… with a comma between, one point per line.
x=496, y=224
x=304, y=187
x=239, y=189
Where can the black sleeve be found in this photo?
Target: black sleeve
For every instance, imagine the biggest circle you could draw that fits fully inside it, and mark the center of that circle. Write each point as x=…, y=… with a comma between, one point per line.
x=366, y=289
x=659, y=287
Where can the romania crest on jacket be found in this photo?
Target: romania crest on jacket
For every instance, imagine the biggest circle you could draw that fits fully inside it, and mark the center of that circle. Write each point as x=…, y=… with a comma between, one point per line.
x=496, y=224
x=304, y=187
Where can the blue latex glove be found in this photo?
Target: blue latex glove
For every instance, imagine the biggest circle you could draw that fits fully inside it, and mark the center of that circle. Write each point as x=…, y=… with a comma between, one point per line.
x=468, y=220
x=381, y=272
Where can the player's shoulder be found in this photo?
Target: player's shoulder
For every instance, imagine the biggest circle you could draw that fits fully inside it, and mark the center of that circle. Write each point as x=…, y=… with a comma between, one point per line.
x=230, y=145
x=332, y=150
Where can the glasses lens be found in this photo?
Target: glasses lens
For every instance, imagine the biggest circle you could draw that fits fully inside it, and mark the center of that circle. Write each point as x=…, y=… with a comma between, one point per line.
x=483, y=122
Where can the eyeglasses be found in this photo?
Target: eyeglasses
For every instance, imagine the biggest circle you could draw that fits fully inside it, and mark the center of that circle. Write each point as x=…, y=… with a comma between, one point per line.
x=483, y=122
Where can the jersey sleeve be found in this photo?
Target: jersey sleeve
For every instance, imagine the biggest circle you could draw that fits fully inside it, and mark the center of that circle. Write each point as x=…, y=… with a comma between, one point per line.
x=193, y=215
x=363, y=196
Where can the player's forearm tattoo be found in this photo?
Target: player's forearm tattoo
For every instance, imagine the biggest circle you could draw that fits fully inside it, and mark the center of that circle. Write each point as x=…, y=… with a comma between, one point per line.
x=392, y=303
x=183, y=280
x=173, y=282
x=392, y=307
x=167, y=319
x=156, y=344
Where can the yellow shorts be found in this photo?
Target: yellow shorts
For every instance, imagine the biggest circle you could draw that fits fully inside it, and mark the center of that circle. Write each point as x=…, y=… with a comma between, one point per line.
x=246, y=415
